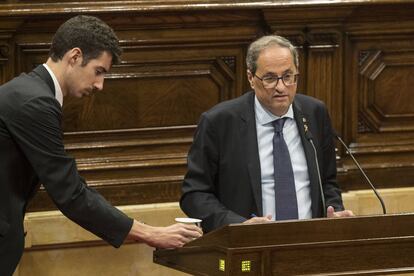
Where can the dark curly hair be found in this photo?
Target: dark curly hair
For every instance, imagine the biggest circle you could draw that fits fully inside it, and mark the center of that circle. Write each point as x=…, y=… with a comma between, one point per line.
x=90, y=34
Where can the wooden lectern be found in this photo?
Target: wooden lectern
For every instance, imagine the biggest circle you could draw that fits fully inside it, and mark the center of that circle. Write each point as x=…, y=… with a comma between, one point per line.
x=367, y=245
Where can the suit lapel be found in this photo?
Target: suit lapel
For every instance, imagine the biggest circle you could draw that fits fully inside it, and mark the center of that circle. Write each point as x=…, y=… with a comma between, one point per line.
x=42, y=72
x=248, y=136
x=302, y=120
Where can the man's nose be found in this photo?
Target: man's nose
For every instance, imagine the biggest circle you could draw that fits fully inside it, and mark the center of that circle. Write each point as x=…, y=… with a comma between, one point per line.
x=98, y=85
x=280, y=86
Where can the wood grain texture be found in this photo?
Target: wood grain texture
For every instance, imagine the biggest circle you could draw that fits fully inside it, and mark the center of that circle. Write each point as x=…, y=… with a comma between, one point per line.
x=183, y=57
x=370, y=245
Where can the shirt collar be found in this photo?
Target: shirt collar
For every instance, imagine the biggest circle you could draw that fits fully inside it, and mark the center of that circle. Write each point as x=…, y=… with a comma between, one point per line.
x=264, y=116
x=58, y=90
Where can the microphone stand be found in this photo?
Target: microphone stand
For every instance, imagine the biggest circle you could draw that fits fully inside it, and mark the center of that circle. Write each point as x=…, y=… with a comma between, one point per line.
x=384, y=211
x=310, y=139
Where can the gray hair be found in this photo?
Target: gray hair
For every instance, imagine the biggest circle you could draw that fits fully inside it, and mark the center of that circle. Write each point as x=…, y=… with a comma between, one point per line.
x=265, y=42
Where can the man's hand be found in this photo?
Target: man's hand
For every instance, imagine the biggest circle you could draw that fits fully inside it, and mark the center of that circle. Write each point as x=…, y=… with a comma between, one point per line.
x=330, y=213
x=259, y=219
x=172, y=236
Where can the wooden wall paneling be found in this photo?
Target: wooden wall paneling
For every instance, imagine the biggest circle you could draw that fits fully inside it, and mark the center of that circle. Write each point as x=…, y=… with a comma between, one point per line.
x=31, y=46
x=318, y=36
x=4, y=57
x=181, y=58
x=324, y=55
x=340, y=86
x=8, y=28
x=161, y=94
x=317, y=33
x=129, y=166
x=324, y=70
x=378, y=101
x=132, y=138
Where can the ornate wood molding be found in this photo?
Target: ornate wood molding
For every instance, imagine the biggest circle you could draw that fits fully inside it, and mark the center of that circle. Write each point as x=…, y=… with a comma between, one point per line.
x=30, y=8
x=182, y=57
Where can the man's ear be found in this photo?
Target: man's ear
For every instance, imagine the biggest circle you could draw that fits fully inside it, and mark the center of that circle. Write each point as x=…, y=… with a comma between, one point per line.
x=250, y=78
x=74, y=55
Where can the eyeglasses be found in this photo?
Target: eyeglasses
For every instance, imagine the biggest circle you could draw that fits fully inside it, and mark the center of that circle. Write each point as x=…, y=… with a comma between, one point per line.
x=270, y=82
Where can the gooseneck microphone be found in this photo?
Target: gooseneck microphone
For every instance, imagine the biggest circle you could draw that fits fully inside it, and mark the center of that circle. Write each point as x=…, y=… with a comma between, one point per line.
x=309, y=137
x=384, y=211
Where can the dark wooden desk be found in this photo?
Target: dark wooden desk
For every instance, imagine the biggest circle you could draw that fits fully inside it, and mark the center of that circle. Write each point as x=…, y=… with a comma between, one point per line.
x=182, y=57
x=371, y=245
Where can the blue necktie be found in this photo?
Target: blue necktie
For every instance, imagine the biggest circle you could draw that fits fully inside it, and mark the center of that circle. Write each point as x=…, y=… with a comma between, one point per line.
x=285, y=192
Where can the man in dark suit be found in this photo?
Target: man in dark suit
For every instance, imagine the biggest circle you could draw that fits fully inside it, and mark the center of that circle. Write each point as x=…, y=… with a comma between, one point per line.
x=32, y=152
x=245, y=167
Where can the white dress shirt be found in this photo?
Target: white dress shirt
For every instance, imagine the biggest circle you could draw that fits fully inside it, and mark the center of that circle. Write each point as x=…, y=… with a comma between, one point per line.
x=58, y=90
x=265, y=133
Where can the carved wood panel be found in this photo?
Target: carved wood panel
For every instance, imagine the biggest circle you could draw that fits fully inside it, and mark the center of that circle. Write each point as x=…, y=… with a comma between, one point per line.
x=385, y=89
x=182, y=57
x=378, y=99
x=152, y=95
x=358, y=59
x=132, y=138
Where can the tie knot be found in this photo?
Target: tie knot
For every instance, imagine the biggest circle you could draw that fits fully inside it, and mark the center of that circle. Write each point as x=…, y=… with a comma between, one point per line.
x=278, y=124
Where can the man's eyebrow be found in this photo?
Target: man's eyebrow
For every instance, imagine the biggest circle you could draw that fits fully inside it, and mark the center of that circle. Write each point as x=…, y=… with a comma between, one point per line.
x=102, y=69
x=273, y=74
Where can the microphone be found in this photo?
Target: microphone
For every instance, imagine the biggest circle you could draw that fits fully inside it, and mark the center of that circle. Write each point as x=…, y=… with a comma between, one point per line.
x=384, y=211
x=309, y=137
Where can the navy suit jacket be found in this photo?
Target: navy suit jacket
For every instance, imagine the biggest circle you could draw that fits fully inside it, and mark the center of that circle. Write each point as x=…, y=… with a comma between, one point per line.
x=32, y=152
x=223, y=181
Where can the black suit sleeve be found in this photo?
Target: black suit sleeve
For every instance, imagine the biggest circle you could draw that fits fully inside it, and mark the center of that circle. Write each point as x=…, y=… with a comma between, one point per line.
x=331, y=189
x=36, y=129
x=199, y=199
